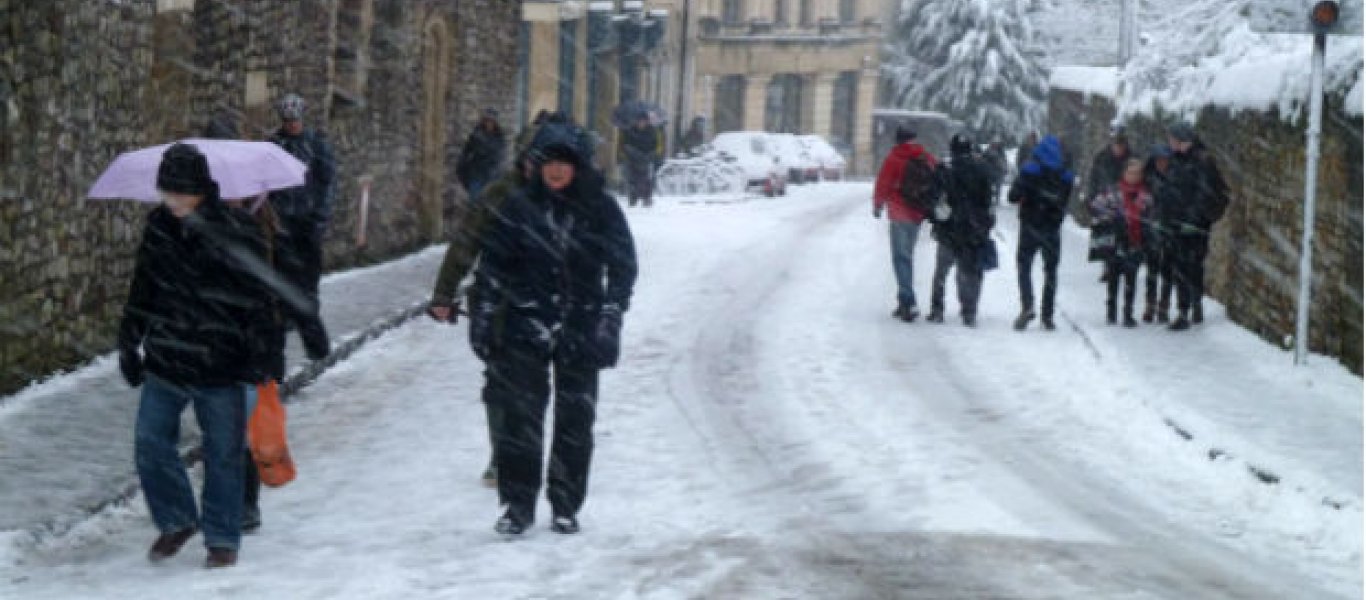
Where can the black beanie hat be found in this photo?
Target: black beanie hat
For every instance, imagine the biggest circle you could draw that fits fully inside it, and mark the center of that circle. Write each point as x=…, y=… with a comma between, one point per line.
x=904, y=134
x=185, y=170
x=558, y=152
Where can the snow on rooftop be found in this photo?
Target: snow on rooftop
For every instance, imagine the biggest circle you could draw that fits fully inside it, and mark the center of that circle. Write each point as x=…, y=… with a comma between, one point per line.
x=1092, y=81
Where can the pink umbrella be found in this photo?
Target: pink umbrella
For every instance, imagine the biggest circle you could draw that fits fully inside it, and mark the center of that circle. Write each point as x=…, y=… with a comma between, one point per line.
x=242, y=169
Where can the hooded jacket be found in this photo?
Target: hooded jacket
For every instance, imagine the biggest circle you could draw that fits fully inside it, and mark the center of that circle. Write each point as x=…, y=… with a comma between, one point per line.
x=549, y=264
x=1044, y=186
x=887, y=189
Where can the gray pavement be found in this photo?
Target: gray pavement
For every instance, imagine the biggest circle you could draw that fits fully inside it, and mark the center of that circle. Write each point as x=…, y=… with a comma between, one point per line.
x=66, y=447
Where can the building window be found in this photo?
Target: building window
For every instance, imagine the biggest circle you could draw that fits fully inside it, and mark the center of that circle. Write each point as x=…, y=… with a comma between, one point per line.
x=783, y=104
x=846, y=11
x=730, y=11
x=728, y=107
x=780, y=12
x=806, y=17
x=842, y=106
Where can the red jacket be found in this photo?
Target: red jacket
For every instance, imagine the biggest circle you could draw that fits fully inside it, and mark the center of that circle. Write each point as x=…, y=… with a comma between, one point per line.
x=887, y=190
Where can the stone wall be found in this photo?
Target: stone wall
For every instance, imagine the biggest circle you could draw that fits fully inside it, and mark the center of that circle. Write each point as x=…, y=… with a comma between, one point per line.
x=81, y=81
x=1253, y=268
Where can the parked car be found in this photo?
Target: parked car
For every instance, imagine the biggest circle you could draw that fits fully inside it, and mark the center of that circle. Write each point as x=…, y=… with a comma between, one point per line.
x=832, y=163
x=801, y=165
x=756, y=153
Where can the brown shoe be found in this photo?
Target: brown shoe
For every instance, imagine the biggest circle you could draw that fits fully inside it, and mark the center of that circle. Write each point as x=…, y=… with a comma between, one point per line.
x=167, y=544
x=220, y=557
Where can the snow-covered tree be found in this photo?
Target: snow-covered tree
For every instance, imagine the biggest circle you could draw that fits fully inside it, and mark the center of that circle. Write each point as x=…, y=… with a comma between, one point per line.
x=971, y=59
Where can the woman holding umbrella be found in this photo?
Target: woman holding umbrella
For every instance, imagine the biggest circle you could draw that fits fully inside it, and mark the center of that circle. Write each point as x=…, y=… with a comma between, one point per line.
x=192, y=333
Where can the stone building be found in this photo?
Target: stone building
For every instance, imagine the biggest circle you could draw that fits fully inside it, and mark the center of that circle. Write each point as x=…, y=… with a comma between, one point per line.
x=1253, y=265
x=394, y=83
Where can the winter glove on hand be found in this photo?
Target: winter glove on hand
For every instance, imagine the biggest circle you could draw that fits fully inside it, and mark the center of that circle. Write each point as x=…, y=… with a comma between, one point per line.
x=607, y=336
x=130, y=364
x=481, y=332
x=316, y=343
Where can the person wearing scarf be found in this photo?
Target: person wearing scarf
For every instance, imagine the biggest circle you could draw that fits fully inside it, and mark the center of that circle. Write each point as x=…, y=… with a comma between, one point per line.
x=1127, y=205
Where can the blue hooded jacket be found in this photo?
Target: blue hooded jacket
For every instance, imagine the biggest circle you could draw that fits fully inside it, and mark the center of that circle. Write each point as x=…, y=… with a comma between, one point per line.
x=1044, y=186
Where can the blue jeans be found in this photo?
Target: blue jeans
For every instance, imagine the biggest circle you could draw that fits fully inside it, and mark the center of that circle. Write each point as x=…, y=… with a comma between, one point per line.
x=904, y=235
x=221, y=414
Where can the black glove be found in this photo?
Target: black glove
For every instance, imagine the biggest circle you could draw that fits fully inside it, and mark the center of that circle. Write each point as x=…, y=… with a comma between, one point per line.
x=607, y=336
x=316, y=343
x=130, y=364
x=481, y=332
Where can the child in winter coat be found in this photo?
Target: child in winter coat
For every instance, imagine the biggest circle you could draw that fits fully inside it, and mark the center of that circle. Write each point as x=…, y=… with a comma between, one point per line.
x=1127, y=208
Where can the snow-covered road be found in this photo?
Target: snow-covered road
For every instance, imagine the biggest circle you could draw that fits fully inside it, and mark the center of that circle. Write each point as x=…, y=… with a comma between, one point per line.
x=773, y=433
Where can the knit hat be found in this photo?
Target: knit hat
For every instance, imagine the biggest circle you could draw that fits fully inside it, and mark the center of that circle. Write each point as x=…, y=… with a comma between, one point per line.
x=1182, y=132
x=290, y=108
x=904, y=134
x=185, y=170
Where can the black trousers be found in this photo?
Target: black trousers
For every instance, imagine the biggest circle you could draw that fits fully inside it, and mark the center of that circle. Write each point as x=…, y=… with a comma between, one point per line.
x=518, y=383
x=1035, y=240
x=299, y=258
x=1123, y=269
x=1188, y=268
x=968, y=279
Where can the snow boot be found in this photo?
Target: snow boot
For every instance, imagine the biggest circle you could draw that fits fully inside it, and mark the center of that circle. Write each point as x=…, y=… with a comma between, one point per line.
x=168, y=544
x=1022, y=321
x=490, y=476
x=251, y=519
x=513, y=522
x=970, y=320
x=1110, y=314
x=1129, y=320
x=911, y=314
x=1149, y=313
x=1181, y=323
x=564, y=524
x=220, y=557
x=936, y=316
x=1048, y=323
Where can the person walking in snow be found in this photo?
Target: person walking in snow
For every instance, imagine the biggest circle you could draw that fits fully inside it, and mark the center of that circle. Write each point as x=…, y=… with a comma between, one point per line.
x=192, y=333
x=641, y=148
x=890, y=192
x=1107, y=166
x=481, y=160
x=555, y=275
x=304, y=212
x=1042, y=190
x=1158, y=266
x=963, y=236
x=1126, y=209
x=1198, y=198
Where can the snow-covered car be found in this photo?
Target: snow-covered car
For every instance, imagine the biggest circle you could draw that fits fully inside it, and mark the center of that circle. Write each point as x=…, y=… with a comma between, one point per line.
x=832, y=163
x=801, y=165
x=756, y=154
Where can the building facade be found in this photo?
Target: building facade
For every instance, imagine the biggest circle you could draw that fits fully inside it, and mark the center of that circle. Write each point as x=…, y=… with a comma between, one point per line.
x=794, y=66
x=395, y=84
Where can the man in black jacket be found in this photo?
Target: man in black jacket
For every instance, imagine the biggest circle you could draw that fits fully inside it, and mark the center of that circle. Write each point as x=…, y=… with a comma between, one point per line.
x=1042, y=190
x=194, y=331
x=964, y=235
x=555, y=275
x=481, y=160
x=640, y=150
x=1197, y=198
x=304, y=211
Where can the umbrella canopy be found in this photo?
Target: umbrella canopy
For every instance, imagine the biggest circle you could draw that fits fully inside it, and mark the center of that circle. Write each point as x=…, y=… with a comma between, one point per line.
x=626, y=113
x=242, y=169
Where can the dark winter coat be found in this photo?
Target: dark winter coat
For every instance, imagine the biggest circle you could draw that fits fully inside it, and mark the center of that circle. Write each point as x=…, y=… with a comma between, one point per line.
x=483, y=155
x=551, y=265
x=1106, y=169
x=464, y=245
x=640, y=145
x=1044, y=186
x=995, y=161
x=1197, y=195
x=692, y=138
x=968, y=184
x=313, y=200
x=1160, y=188
x=196, y=306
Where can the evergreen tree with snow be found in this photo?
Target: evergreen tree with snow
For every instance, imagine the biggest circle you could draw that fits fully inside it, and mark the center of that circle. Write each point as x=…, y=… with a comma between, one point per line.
x=971, y=59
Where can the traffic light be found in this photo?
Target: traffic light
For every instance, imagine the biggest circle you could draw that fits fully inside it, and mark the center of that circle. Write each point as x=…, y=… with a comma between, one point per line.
x=1324, y=15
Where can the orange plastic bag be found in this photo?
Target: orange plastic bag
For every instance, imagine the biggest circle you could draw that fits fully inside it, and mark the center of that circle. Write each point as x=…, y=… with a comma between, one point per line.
x=266, y=437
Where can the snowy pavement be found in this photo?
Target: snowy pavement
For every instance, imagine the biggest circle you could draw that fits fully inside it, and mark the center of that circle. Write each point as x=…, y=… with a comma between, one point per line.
x=772, y=433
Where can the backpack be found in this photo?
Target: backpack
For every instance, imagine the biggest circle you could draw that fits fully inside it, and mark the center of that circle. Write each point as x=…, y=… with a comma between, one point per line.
x=919, y=185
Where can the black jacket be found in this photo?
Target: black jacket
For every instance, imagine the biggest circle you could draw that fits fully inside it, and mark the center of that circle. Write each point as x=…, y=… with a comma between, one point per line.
x=549, y=264
x=968, y=182
x=1106, y=170
x=483, y=155
x=313, y=200
x=640, y=145
x=1198, y=194
x=195, y=306
x=1044, y=186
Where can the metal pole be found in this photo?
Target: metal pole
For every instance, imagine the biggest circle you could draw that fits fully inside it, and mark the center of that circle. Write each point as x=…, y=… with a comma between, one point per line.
x=1311, y=179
